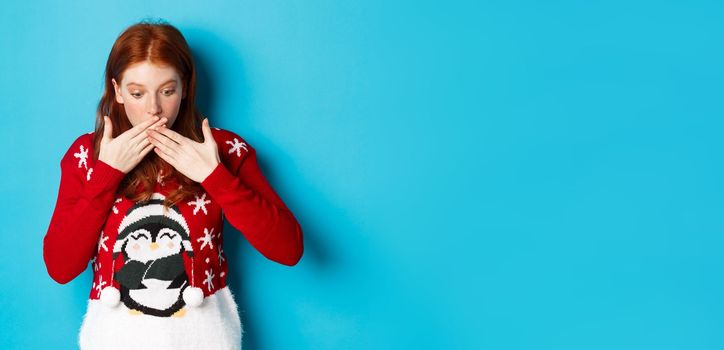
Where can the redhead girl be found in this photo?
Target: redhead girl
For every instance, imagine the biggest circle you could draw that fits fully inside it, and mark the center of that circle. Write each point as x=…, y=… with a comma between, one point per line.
x=142, y=200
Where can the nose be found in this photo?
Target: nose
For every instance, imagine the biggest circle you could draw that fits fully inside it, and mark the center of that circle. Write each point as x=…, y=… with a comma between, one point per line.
x=154, y=108
x=154, y=246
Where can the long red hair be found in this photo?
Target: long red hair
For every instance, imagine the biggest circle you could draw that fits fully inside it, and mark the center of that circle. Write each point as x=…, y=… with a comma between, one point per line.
x=161, y=44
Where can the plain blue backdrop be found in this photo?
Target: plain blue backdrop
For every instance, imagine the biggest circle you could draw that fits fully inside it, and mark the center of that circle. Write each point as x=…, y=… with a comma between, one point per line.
x=468, y=175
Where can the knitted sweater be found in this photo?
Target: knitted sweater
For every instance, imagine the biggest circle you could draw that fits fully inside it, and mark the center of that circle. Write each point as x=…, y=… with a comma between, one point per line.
x=160, y=274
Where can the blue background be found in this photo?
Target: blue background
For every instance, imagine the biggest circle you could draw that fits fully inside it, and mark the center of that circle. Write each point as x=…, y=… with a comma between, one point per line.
x=480, y=175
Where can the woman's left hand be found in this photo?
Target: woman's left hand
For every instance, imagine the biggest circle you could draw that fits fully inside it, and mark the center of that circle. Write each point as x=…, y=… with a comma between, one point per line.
x=194, y=159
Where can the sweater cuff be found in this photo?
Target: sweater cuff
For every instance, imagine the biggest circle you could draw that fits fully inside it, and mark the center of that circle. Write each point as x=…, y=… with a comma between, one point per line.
x=219, y=180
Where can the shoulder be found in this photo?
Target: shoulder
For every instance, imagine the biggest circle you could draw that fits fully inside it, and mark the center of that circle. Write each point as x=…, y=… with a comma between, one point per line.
x=78, y=158
x=233, y=148
x=80, y=147
x=230, y=144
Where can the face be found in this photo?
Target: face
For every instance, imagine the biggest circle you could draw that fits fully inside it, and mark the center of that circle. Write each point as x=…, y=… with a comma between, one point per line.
x=153, y=241
x=149, y=90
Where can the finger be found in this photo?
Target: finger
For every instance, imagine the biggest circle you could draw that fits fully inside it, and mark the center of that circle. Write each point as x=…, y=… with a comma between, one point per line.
x=171, y=135
x=138, y=129
x=146, y=149
x=143, y=144
x=167, y=145
x=165, y=156
x=158, y=123
x=107, y=128
x=142, y=135
x=206, y=129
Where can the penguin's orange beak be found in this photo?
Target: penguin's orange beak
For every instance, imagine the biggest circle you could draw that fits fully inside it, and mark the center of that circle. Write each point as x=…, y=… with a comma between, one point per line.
x=153, y=246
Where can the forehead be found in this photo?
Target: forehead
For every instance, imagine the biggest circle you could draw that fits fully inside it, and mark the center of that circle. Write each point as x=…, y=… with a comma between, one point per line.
x=148, y=74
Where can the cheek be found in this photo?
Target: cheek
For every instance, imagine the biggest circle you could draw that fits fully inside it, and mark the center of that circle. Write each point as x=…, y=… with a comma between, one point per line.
x=134, y=111
x=171, y=108
x=172, y=104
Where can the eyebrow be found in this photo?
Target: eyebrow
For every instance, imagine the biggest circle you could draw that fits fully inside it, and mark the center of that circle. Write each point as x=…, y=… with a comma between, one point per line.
x=166, y=82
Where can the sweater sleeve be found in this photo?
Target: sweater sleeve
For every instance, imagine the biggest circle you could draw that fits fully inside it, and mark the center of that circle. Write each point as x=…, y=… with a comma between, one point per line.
x=85, y=197
x=252, y=206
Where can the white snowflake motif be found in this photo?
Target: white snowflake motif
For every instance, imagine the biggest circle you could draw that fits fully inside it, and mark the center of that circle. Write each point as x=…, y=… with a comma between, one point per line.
x=102, y=242
x=236, y=146
x=115, y=210
x=100, y=285
x=200, y=203
x=209, y=275
x=82, y=157
x=87, y=176
x=221, y=254
x=206, y=239
x=96, y=265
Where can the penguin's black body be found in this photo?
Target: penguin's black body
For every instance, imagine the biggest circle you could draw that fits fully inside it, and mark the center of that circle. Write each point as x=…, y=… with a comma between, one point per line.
x=133, y=274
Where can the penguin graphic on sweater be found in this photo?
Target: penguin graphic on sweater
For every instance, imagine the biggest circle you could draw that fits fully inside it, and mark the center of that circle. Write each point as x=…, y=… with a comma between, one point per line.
x=152, y=238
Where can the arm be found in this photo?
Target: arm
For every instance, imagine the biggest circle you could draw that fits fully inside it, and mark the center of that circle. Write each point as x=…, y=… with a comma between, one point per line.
x=80, y=211
x=252, y=206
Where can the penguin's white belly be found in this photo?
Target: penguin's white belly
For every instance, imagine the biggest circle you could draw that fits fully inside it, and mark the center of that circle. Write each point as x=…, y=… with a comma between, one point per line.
x=155, y=295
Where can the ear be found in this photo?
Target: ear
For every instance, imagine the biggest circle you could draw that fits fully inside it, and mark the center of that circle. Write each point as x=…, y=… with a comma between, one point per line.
x=117, y=91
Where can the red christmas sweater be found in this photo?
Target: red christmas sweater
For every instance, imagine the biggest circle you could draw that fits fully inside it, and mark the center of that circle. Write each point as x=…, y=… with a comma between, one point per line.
x=154, y=258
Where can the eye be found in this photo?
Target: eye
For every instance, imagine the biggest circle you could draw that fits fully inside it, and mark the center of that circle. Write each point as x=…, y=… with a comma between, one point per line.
x=141, y=234
x=136, y=95
x=169, y=92
x=168, y=233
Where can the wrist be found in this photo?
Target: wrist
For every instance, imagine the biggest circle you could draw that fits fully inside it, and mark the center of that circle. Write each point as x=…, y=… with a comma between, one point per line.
x=209, y=171
x=218, y=180
x=113, y=165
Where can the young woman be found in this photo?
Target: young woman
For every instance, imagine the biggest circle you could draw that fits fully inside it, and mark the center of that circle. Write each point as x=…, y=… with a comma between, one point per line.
x=142, y=198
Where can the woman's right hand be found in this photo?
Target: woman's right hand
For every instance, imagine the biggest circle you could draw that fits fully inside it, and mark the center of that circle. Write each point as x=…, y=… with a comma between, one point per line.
x=128, y=149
